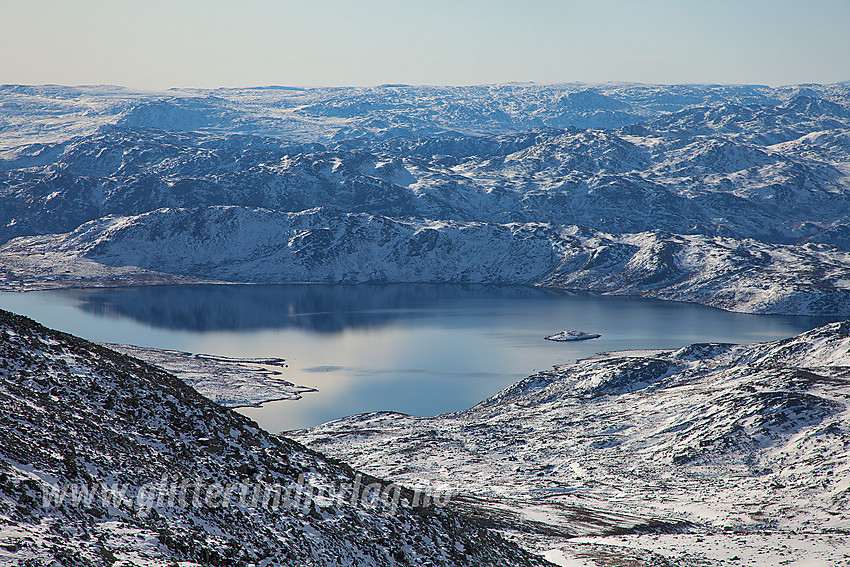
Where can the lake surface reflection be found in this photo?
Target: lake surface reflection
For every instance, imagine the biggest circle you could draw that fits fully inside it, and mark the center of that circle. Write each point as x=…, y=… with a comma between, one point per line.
x=419, y=349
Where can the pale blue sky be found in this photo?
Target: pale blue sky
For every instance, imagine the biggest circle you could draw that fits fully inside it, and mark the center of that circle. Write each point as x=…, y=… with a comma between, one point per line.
x=211, y=43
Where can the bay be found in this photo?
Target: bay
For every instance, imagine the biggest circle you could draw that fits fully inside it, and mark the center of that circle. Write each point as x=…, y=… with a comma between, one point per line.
x=420, y=349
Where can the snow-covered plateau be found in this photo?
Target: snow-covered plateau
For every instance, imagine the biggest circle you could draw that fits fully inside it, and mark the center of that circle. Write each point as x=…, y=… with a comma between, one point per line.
x=231, y=382
x=732, y=196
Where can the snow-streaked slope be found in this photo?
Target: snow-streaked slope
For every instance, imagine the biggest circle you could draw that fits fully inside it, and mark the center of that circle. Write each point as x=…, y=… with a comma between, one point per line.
x=318, y=245
x=75, y=413
x=237, y=244
x=707, y=439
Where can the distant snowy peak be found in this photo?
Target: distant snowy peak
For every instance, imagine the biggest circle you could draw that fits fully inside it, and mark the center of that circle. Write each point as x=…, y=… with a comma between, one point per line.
x=592, y=100
x=591, y=151
x=765, y=124
x=812, y=105
x=181, y=114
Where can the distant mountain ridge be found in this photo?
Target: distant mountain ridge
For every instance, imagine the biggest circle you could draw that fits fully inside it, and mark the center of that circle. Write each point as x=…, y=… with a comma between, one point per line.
x=328, y=245
x=662, y=176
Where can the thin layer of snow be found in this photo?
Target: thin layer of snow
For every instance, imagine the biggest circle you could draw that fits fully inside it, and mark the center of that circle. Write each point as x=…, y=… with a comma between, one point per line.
x=231, y=382
x=765, y=549
x=558, y=557
x=118, y=441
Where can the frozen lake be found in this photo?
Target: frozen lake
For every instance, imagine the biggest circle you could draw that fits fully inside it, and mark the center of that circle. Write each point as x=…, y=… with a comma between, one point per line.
x=417, y=349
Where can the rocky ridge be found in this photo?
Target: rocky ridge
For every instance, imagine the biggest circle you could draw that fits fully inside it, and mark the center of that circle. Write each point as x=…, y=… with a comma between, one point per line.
x=329, y=245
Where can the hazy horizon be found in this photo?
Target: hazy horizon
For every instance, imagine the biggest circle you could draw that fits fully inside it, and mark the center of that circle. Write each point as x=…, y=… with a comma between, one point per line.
x=427, y=85
x=222, y=43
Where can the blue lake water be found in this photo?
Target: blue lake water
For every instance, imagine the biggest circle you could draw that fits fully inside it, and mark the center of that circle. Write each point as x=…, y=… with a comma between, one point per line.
x=417, y=349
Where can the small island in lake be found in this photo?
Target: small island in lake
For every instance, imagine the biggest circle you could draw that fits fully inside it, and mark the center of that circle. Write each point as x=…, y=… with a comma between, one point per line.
x=572, y=336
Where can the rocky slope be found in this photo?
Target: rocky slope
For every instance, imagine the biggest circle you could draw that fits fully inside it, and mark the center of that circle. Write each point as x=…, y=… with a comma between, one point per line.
x=707, y=439
x=136, y=457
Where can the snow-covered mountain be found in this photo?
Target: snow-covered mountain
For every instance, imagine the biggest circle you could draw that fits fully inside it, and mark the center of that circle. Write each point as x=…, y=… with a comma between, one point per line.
x=768, y=168
x=106, y=459
x=655, y=176
x=704, y=441
x=328, y=245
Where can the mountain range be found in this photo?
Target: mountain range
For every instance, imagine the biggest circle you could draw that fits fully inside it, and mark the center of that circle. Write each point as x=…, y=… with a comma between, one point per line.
x=398, y=183
x=734, y=196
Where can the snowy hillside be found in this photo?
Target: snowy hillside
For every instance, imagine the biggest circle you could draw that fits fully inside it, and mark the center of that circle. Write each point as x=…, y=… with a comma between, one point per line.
x=734, y=448
x=328, y=245
x=148, y=472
